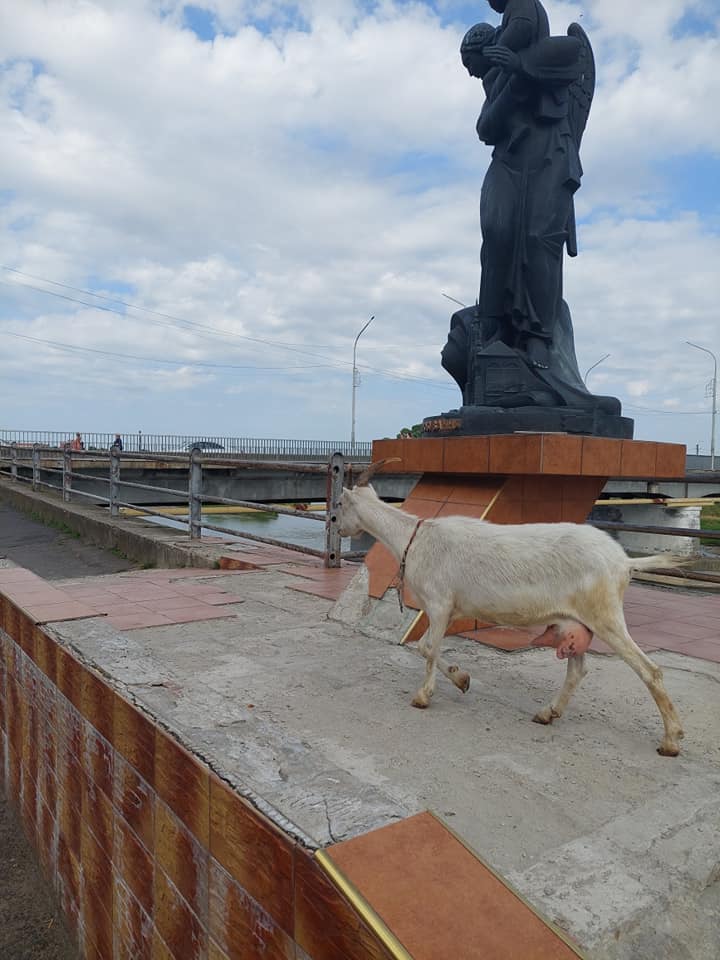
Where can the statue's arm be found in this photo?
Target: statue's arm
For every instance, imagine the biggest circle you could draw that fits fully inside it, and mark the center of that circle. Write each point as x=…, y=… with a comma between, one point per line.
x=522, y=25
x=494, y=118
x=518, y=34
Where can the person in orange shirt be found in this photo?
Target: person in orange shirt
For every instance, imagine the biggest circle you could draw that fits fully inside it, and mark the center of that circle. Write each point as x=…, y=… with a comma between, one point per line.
x=77, y=443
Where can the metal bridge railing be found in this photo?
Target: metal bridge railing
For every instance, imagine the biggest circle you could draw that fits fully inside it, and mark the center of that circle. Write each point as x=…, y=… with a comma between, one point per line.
x=49, y=460
x=60, y=465
x=182, y=443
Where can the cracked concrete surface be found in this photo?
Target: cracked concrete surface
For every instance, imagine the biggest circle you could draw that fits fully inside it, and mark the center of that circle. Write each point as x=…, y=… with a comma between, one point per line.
x=618, y=845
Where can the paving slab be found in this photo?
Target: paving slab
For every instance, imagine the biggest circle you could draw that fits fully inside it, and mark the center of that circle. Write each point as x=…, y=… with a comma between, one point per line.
x=312, y=718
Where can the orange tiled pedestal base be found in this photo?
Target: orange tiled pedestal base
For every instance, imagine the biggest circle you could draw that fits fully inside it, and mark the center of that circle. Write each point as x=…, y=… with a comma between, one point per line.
x=520, y=478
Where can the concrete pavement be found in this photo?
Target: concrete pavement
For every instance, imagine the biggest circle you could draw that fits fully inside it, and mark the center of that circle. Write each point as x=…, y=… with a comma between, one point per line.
x=312, y=718
x=259, y=672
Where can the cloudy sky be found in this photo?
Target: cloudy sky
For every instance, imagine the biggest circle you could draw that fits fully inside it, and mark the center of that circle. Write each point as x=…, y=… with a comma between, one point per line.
x=201, y=205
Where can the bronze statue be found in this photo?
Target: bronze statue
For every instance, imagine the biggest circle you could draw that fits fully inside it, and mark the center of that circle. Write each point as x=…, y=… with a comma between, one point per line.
x=513, y=353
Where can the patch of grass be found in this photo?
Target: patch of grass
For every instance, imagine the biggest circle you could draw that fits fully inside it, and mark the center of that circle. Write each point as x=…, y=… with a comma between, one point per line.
x=117, y=552
x=710, y=520
x=58, y=525
x=148, y=566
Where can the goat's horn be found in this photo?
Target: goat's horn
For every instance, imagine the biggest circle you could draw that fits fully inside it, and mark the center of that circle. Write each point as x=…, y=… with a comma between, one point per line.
x=366, y=476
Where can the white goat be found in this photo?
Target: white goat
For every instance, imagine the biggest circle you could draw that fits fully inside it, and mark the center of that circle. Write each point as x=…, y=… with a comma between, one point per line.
x=515, y=575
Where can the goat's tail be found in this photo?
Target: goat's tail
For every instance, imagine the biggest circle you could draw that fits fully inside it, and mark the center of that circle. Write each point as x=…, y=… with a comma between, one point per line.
x=659, y=561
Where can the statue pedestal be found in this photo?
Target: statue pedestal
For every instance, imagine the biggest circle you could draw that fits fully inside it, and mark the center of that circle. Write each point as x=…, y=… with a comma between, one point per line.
x=474, y=421
x=522, y=478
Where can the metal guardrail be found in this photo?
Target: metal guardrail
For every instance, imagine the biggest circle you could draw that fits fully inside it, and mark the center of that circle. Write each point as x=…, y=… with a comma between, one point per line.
x=660, y=531
x=182, y=443
x=42, y=458
x=335, y=469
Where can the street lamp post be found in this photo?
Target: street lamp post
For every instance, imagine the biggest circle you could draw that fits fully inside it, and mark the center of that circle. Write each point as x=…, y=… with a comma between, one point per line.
x=596, y=364
x=355, y=380
x=714, y=399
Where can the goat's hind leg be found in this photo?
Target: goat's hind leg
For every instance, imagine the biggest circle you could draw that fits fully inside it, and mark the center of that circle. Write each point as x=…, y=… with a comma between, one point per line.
x=576, y=670
x=616, y=635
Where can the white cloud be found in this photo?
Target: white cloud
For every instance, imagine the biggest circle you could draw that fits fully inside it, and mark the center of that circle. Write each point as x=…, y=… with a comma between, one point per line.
x=284, y=186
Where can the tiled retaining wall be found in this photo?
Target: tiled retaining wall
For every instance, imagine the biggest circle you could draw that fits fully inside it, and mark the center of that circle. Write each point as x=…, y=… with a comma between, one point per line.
x=150, y=853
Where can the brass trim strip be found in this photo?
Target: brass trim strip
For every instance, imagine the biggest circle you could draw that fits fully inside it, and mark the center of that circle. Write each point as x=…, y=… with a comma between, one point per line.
x=370, y=917
x=492, y=502
x=548, y=923
x=410, y=629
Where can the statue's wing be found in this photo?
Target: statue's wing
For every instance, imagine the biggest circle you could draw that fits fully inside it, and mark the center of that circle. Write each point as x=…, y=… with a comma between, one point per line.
x=582, y=89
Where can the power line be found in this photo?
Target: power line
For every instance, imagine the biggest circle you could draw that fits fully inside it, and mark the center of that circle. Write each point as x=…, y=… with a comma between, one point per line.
x=173, y=321
x=670, y=413
x=74, y=348
x=135, y=306
x=127, y=356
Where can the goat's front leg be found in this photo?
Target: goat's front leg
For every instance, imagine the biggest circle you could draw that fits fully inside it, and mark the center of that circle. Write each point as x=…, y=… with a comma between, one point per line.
x=576, y=670
x=461, y=678
x=455, y=675
x=430, y=649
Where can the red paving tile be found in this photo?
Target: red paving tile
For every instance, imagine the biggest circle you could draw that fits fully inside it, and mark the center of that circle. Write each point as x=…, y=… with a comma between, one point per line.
x=238, y=565
x=319, y=573
x=215, y=599
x=137, y=621
x=141, y=592
x=114, y=605
x=269, y=555
x=136, y=602
x=703, y=650
x=328, y=591
x=16, y=575
x=176, y=604
x=178, y=573
x=41, y=601
x=713, y=622
x=52, y=612
x=414, y=874
x=684, y=630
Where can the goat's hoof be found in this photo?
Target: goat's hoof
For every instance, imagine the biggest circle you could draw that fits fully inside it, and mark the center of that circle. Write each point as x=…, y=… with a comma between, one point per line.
x=543, y=716
x=461, y=679
x=546, y=716
x=421, y=701
x=668, y=750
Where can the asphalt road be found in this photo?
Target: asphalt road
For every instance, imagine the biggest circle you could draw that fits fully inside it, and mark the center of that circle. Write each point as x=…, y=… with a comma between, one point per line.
x=52, y=553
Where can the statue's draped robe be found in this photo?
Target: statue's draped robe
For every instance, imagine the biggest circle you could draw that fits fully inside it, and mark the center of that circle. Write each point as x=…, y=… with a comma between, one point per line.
x=527, y=212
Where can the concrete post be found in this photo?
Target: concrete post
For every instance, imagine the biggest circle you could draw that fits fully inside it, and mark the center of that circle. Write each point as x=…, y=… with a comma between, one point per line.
x=114, y=481
x=195, y=494
x=333, y=542
x=13, y=464
x=35, y=467
x=67, y=476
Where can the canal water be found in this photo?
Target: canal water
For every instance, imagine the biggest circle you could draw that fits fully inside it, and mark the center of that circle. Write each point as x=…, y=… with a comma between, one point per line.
x=304, y=533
